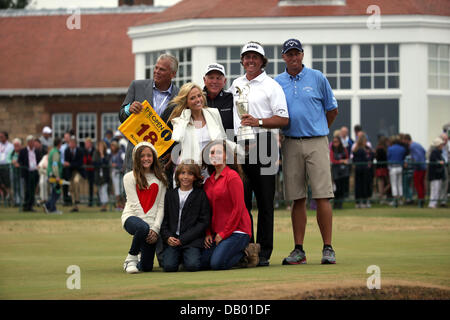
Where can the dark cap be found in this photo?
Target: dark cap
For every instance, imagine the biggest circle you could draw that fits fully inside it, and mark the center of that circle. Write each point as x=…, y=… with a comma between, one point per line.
x=291, y=44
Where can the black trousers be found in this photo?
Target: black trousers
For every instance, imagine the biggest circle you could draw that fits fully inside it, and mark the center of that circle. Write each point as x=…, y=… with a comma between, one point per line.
x=362, y=183
x=31, y=180
x=261, y=183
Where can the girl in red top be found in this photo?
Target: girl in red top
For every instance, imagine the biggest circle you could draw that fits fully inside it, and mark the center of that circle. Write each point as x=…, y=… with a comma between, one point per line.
x=230, y=229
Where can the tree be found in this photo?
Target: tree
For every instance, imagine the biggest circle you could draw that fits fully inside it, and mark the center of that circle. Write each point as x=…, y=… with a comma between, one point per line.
x=13, y=4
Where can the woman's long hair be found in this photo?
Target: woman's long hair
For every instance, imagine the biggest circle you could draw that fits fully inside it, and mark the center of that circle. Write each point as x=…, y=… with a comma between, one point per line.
x=139, y=173
x=361, y=142
x=340, y=147
x=180, y=101
x=230, y=159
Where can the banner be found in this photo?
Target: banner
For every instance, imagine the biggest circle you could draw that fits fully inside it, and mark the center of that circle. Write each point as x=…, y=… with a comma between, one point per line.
x=147, y=126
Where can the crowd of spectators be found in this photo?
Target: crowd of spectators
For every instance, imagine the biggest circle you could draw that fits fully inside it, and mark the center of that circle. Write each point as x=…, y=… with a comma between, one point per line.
x=27, y=177
x=397, y=168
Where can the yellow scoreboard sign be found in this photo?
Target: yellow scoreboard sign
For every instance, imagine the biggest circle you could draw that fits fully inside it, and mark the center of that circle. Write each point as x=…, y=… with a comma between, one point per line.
x=147, y=126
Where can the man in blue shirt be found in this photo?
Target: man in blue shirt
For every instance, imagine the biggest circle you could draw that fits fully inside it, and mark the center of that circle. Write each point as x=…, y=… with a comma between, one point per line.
x=312, y=109
x=419, y=158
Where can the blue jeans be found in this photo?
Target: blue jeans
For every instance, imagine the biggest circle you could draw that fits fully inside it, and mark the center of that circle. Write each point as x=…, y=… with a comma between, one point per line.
x=227, y=254
x=51, y=203
x=174, y=256
x=139, y=229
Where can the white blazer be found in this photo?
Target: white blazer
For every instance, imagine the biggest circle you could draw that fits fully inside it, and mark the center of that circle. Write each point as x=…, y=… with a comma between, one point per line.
x=184, y=133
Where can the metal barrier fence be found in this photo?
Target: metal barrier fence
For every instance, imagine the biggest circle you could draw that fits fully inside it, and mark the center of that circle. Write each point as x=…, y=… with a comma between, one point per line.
x=17, y=187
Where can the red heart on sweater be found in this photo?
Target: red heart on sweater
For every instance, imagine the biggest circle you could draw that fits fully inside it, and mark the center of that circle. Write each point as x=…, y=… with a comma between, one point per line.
x=147, y=197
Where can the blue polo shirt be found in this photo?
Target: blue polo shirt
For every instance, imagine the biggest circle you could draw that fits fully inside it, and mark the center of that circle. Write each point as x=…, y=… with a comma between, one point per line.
x=309, y=97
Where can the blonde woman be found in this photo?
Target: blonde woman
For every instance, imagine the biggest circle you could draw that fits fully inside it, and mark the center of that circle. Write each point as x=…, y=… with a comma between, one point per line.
x=194, y=124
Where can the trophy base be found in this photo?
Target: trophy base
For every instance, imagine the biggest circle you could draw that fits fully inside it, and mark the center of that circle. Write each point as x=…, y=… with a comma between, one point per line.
x=245, y=133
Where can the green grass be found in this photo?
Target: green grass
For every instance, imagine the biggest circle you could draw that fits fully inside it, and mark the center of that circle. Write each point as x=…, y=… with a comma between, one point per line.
x=410, y=245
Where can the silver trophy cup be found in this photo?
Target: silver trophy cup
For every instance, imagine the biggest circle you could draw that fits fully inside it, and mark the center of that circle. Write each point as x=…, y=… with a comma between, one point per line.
x=244, y=132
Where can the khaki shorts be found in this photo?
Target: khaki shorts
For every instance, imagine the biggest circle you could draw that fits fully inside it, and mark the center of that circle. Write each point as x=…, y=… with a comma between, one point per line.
x=306, y=161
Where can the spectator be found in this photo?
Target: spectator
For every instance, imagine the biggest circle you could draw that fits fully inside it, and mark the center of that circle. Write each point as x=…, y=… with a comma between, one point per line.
x=419, y=163
x=122, y=141
x=347, y=142
x=66, y=170
x=73, y=161
x=46, y=139
x=29, y=158
x=381, y=169
x=396, y=154
x=54, y=171
x=408, y=171
x=362, y=174
x=108, y=138
x=436, y=171
x=117, y=157
x=339, y=169
x=102, y=175
x=43, y=179
x=17, y=182
x=89, y=168
x=443, y=193
x=6, y=148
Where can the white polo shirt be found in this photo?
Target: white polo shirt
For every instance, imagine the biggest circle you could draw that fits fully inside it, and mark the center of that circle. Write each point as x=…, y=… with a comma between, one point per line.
x=266, y=98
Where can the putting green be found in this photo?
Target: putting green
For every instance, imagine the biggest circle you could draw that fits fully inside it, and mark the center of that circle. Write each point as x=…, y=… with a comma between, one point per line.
x=410, y=246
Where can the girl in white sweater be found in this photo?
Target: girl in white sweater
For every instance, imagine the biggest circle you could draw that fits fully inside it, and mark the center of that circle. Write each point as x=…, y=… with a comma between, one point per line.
x=145, y=188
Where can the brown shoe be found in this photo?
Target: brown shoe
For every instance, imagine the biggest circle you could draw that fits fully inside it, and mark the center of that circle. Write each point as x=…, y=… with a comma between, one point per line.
x=252, y=255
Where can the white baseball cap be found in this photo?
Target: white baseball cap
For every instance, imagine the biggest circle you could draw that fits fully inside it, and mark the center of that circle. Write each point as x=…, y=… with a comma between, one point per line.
x=47, y=130
x=215, y=66
x=253, y=46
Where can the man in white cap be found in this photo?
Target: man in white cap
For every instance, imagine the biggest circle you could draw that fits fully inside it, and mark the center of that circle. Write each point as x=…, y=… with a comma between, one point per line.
x=46, y=139
x=216, y=97
x=267, y=111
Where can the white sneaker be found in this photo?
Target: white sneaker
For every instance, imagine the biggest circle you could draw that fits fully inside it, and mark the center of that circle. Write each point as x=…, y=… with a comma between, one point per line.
x=130, y=264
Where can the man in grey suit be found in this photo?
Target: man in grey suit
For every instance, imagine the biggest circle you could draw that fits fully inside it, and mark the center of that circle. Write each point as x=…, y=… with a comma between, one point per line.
x=158, y=92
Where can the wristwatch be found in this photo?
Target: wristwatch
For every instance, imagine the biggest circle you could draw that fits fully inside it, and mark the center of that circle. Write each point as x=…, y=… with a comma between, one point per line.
x=260, y=122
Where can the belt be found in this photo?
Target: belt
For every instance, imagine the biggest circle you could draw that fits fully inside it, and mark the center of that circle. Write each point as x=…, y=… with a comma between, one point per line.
x=302, y=138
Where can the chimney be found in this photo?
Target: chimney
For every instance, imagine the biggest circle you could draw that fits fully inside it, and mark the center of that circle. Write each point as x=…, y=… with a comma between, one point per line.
x=135, y=2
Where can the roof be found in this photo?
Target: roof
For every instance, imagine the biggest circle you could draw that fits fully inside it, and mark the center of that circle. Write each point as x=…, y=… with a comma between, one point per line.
x=207, y=9
x=40, y=52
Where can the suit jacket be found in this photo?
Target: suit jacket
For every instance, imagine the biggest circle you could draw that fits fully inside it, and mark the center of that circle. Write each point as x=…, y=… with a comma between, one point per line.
x=195, y=218
x=23, y=160
x=76, y=162
x=139, y=90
